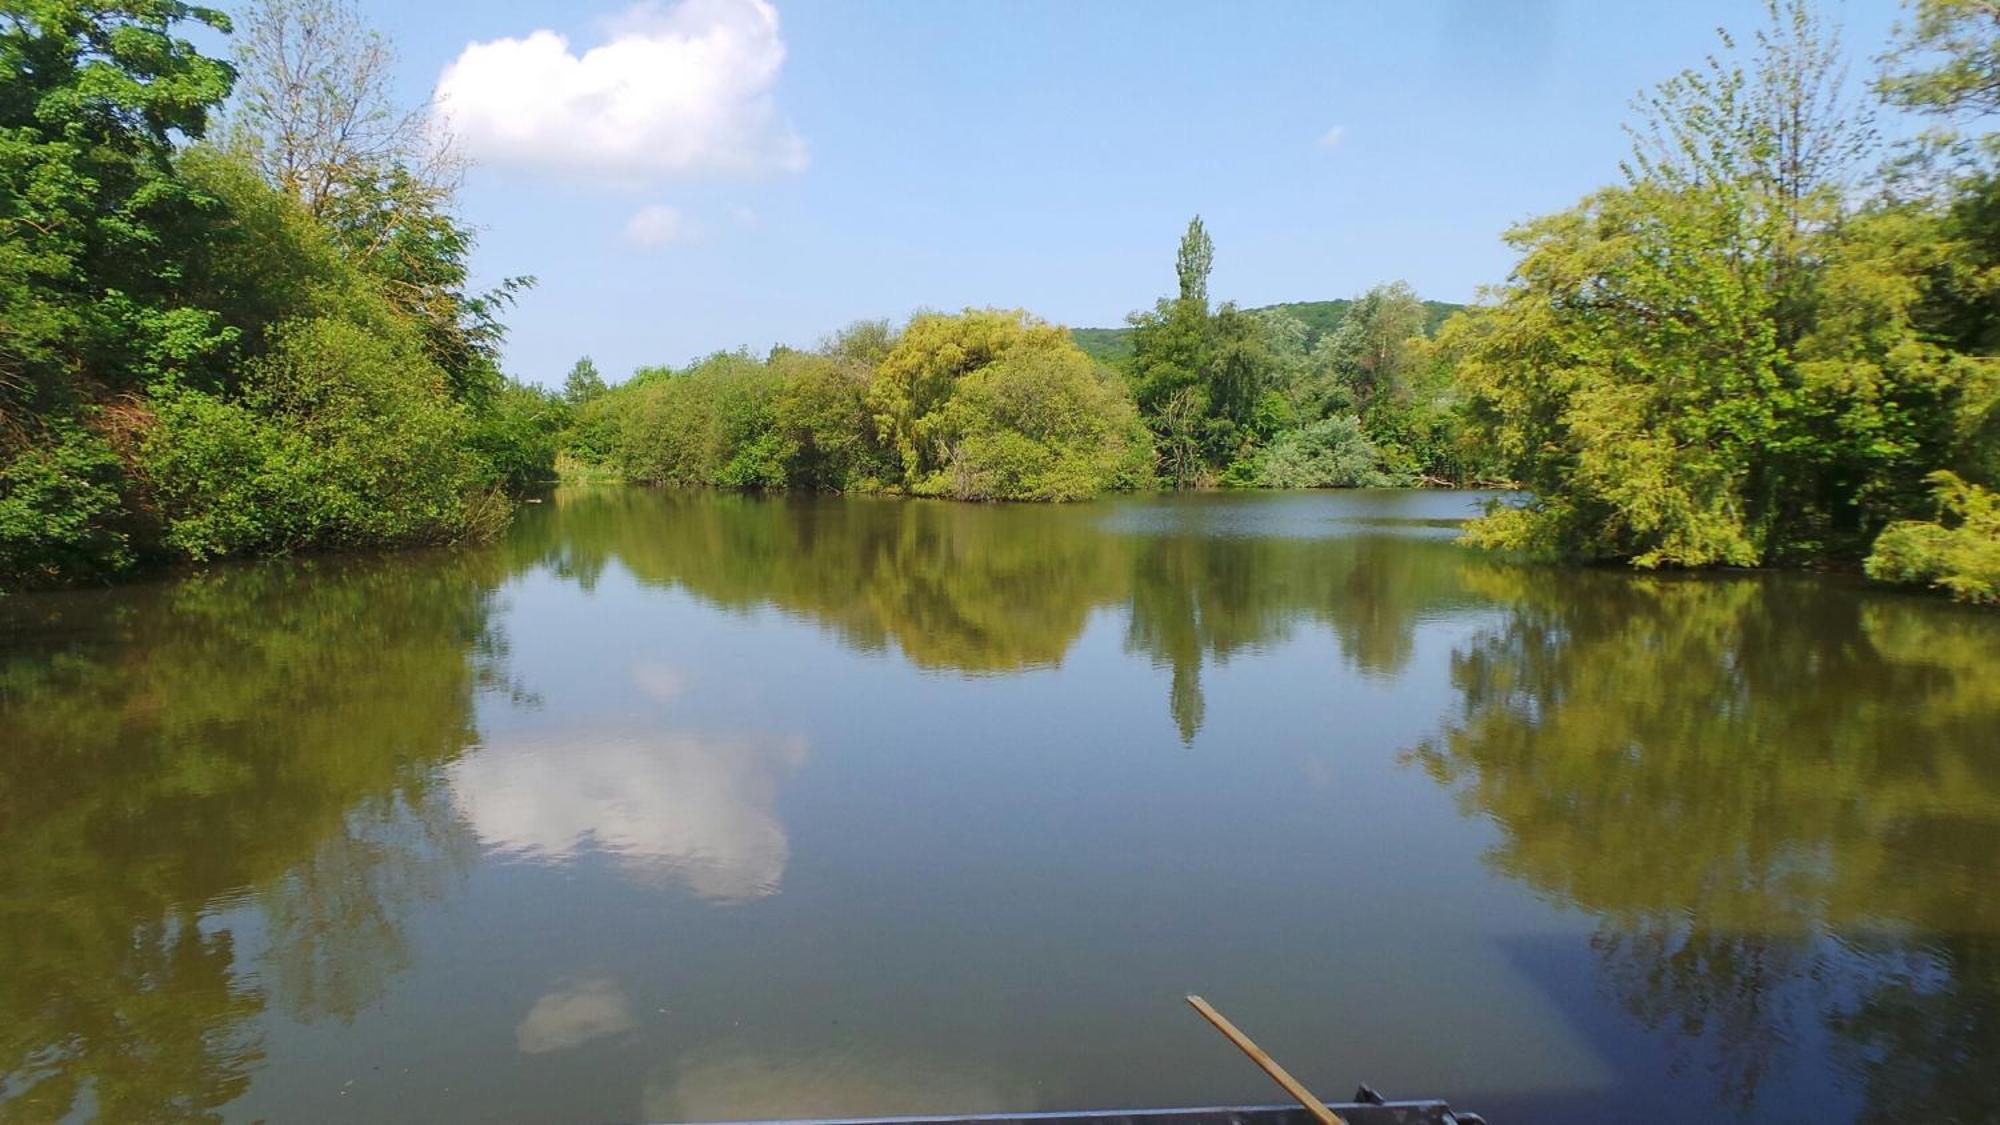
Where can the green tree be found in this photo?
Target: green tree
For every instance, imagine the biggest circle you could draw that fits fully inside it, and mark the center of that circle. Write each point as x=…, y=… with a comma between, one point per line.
x=916, y=379
x=583, y=384
x=1638, y=373
x=1374, y=352
x=1946, y=59
x=1193, y=263
x=1039, y=424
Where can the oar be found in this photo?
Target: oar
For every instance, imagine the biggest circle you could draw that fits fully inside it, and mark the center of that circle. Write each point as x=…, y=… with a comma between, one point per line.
x=1269, y=1065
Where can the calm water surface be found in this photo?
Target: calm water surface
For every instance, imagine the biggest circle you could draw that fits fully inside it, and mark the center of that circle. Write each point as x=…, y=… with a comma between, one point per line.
x=684, y=807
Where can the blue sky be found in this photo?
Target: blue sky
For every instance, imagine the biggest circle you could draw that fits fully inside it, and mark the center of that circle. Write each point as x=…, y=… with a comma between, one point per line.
x=864, y=159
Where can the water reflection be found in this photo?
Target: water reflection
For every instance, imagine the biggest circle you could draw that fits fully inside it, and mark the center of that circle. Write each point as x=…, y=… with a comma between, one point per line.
x=672, y=807
x=1782, y=803
x=573, y=1015
x=983, y=588
x=215, y=797
x=227, y=801
x=725, y=1085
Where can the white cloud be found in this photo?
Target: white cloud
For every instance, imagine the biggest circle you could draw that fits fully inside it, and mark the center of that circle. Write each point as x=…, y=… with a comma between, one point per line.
x=656, y=224
x=677, y=91
x=1332, y=136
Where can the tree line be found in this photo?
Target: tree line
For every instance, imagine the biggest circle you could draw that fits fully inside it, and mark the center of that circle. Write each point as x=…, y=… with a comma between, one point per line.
x=993, y=404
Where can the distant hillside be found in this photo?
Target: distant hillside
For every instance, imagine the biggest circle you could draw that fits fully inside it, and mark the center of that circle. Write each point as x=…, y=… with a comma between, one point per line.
x=1114, y=345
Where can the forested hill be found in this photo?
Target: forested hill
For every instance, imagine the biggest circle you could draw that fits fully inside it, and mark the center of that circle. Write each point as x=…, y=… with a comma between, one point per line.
x=1114, y=345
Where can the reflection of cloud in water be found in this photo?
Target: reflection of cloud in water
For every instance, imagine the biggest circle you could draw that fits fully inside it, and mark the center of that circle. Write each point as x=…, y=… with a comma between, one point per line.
x=724, y=1086
x=661, y=683
x=572, y=1016
x=695, y=809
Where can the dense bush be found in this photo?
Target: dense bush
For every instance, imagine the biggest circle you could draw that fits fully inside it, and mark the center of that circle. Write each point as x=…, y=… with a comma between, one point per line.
x=61, y=508
x=338, y=438
x=1037, y=424
x=1330, y=453
x=1960, y=554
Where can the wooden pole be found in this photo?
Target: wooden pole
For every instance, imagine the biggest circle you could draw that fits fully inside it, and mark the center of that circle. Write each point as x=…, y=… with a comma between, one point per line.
x=1269, y=1065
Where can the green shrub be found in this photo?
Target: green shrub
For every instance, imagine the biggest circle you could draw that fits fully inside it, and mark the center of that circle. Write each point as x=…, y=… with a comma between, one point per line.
x=1330, y=453
x=62, y=508
x=517, y=433
x=341, y=437
x=1037, y=424
x=1961, y=555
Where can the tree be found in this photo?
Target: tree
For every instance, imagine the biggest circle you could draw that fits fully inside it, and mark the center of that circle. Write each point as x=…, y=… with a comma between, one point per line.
x=95, y=228
x=315, y=108
x=1192, y=263
x=583, y=384
x=917, y=377
x=1371, y=352
x=1638, y=373
x=317, y=117
x=92, y=217
x=1947, y=60
x=1038, y=424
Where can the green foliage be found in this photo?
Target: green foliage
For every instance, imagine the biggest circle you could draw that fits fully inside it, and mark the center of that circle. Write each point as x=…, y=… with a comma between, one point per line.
x=1960, y=553
x=518, y=434
x=337, y=440
x=583, y=384
x=1319, y=318
x=92, y=219
x=1946, y=60
x=822, y=418
x=982, y=405
x=1330, y=453
x=917, y=378
x=1222, y=389
x=1038, y=424
x=1193, y=263
x=195, y=362
x=61, y=509
x=1729, y=361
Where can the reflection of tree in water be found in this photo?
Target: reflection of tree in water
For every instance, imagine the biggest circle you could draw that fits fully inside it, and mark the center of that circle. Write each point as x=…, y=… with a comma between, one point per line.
x=1772, y=798
x=982, y=588
x=335, y=919
x=149, y=799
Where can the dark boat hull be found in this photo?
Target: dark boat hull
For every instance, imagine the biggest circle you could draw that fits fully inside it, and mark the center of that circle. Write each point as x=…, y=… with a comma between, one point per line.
x=1354, y=1113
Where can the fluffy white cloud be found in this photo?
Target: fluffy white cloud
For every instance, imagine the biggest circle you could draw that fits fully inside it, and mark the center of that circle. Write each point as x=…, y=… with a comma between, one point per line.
x=684, y=90
x=656, y=224
x=1332, y=136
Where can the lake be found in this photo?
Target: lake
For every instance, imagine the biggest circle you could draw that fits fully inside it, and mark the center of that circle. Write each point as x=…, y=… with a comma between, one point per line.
x=681, y=806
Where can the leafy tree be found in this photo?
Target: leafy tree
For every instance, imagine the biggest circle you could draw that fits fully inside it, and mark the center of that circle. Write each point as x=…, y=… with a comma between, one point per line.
x=916, y=379
x=315, y=110
x=1638, y=372
x=1039, y=424
x=333, y=443
x=1961, y=555
x=1947, y=59
x=92, y=217
x=1373, y=353
x=1193, y=263
x=583, y=384
x=822, y=417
